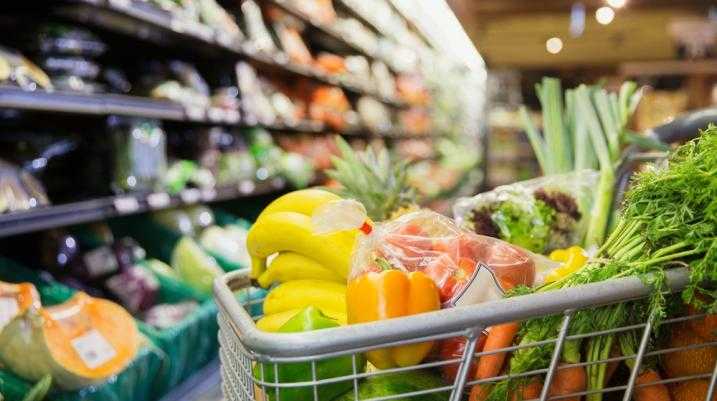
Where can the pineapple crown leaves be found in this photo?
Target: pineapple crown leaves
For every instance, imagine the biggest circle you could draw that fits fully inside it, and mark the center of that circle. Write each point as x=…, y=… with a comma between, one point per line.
x=372, y=178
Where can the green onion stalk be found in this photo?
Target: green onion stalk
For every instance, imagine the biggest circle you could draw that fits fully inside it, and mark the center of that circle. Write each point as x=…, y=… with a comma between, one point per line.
x=587, y=131
x=669, y=218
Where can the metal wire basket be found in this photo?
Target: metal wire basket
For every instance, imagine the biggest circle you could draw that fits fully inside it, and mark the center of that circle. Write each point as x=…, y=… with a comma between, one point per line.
x=243, y=346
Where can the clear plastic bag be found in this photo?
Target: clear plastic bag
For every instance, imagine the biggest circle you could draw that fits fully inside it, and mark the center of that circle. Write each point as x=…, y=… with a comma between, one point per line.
x=467, y=268
x=540, y=215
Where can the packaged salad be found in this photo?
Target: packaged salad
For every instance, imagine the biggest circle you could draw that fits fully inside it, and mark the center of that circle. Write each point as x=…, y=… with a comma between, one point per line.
x=540, y=215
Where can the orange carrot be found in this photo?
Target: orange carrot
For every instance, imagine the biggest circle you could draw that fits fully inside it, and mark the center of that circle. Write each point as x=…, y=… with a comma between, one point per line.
x=530, y=391
x=568, y=381
x=656, y=392
x=479, y=392
x=499, y=336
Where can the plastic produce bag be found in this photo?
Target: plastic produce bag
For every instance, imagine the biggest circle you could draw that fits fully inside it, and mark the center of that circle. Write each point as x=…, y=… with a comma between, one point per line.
x=19, y=190
x=140, y=156
x=467, y=268
x=542, y=214
x=17, y=70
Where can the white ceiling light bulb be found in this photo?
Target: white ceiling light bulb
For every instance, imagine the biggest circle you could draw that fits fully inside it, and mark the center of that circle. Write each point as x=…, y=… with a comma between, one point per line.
x=554, y=45
x=617, y=3
x=605, y=15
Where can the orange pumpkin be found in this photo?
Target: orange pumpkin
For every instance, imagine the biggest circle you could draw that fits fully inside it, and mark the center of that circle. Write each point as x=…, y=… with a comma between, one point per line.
x=81, y=342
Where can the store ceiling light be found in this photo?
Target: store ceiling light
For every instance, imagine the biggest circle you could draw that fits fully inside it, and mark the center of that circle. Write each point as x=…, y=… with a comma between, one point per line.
x=617, y=3
x=604, y=15
x=554, y=45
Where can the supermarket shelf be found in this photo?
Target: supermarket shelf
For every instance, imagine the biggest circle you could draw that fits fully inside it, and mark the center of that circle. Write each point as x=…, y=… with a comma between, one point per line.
x=110, y=104
x=114, y=206
x=150, y=23
x=205, y=385
x=669, y=67
x=327, y=30
x=135, y=106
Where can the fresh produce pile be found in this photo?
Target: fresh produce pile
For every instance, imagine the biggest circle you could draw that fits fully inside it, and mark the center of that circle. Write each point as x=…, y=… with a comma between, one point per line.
x=667, y=220
x=418, y=262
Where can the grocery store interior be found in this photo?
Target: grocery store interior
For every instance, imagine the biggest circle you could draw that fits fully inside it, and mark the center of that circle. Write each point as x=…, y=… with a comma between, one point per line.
x=358, y=200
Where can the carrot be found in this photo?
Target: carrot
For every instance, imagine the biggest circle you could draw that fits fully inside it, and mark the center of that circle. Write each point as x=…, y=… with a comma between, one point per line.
x=479, y=392
x=499, y=336
x=656, y=392
x=568, y=381
x=529, y=391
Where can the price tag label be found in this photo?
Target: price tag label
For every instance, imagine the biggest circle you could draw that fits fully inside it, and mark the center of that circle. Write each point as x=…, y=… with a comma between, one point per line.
x=232, y=116
x=246, y=187
x=190, y=195
x=93, y=348
x=215, y=114
x=120, y=3
x=209, y=194
x=8, y=310
x=126, y=205
x=194, y=113
x=158, y=200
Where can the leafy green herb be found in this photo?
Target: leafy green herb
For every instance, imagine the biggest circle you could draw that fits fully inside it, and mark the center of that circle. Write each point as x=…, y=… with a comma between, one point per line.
x=669, y=218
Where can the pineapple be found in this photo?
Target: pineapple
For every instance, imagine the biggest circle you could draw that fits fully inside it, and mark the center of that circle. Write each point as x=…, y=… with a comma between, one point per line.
x=371, y=178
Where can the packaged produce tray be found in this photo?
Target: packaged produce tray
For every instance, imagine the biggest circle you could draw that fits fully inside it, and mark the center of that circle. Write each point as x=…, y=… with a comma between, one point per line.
x=135, y=382
x=252, y=360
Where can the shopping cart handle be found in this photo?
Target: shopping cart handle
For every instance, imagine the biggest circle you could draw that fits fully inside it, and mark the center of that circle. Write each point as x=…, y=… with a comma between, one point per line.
x=446, y=323
x=685, y=127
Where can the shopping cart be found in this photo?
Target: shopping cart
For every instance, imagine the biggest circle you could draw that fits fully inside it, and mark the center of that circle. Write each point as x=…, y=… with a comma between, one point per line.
x=243, y=347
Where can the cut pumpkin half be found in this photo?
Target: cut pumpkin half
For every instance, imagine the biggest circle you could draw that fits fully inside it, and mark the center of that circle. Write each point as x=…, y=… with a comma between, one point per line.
x=81, y=342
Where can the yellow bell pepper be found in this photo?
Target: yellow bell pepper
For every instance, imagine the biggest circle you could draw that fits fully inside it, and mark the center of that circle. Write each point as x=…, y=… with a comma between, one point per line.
x=388, y=294
x=573, y=258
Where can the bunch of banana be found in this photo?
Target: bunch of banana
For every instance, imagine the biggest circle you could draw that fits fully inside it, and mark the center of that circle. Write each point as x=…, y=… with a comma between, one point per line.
x=289, y=298
x=311, y=268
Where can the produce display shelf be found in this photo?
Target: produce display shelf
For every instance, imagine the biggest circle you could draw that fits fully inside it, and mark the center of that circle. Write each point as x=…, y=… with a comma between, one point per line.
x=204, y=385
x=147, y=22
x=111, y=104
x=136, y=106
x=43, y=218
x=327, y=30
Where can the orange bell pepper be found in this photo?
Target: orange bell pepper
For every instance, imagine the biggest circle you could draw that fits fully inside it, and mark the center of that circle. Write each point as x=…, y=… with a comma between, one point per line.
x=388, y=294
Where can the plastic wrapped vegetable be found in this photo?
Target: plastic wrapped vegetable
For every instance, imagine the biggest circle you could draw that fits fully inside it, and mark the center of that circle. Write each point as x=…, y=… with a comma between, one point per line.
x=19, y=190
x=17, y=70
x=258, y=33
x=140, y=156
x=467, y=268
x=218, y=18
x=540, y=215
x=80, y=342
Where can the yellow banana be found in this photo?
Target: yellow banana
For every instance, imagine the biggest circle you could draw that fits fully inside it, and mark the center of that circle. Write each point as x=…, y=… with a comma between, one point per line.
x=291, y=231
x=297, y=294
x=274, y=322
x=303, y=201
x=289, y=266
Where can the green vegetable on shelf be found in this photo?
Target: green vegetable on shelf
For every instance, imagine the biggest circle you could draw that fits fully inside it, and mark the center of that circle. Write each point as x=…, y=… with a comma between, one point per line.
x=197, y=269
x=39, y=391
x=309, y=319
